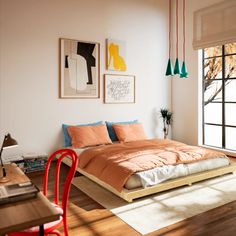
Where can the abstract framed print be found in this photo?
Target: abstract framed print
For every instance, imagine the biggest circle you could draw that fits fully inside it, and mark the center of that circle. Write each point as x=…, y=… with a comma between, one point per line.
x=119, y=88
x=116, y=55
x=79, y=69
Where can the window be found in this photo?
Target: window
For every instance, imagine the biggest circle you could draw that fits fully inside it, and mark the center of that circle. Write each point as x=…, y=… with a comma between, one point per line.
x=219, y=96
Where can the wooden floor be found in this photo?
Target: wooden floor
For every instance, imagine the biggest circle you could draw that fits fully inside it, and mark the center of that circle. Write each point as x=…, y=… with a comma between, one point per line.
x=87, y=218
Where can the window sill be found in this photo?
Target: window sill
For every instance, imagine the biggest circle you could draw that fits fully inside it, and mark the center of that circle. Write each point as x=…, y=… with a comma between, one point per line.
x=225, y=151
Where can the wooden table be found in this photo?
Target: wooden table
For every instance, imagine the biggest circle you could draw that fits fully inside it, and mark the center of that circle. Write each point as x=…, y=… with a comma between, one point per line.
x=26, y=213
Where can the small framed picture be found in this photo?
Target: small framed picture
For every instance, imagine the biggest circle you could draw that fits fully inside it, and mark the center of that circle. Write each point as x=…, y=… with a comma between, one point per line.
x=119, y=88
x=79, y=69
x=116, y=55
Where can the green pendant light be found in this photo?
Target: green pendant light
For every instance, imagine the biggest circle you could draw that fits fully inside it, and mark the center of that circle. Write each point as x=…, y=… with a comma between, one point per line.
x=177, y=70
x=184, y=71
x=169, y=68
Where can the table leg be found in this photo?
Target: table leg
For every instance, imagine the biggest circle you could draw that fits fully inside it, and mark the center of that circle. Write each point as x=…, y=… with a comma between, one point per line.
x=41, y=230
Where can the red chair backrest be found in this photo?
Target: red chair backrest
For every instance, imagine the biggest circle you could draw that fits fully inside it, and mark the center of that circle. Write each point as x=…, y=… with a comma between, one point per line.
x=59, y=155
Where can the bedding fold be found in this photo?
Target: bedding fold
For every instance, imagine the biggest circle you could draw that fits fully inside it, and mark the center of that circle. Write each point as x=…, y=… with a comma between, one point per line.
x=115, y=163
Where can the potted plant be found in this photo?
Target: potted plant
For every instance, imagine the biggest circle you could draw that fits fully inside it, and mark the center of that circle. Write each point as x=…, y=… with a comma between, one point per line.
x=167, y=117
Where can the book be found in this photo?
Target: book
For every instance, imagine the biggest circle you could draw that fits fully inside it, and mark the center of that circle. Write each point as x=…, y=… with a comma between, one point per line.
x=17, y=192
x=11, y=159
x=34, y=156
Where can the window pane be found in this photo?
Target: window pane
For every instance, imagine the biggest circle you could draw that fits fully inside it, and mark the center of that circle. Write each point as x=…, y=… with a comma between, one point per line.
x=213, y=113
x=230, y=48
x=212, y=91
x=213, y=68
x=230, y=114
x=230, y=66
x=213, y=135
x=213, y=51
x=230, y=91
x=214, y=79
x=230, y=137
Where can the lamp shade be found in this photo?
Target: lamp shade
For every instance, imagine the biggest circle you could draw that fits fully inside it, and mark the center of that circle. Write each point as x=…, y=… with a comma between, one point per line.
x=184, y=72
x=9, y=141
x=177, y=67
x=169, y=69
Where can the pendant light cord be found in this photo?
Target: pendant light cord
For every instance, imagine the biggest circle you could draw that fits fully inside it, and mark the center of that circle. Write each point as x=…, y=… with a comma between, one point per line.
x=169, y=28
x=184, y=29
x=177, y=30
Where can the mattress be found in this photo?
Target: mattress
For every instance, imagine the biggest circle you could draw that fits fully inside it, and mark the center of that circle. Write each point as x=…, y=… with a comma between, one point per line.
x=160, y=174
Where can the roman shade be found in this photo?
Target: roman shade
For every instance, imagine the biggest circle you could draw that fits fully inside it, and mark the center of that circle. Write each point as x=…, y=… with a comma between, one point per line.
x=215, y=25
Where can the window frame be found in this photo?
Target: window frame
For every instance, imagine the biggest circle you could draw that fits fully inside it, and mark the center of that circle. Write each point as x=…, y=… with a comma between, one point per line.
x=223, y=102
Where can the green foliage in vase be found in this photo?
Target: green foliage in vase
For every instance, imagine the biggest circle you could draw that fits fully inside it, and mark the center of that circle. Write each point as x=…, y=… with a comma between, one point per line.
x=167, y=117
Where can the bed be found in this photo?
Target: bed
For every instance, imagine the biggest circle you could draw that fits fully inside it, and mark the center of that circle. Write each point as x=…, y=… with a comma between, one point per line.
x=173, y=164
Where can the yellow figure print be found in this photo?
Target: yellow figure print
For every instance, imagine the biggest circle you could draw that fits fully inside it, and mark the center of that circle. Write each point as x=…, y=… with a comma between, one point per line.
x=118, y=61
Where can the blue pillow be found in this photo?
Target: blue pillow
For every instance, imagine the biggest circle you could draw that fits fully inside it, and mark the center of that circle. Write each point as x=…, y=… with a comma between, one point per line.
x=67, y=137
x=112, y=132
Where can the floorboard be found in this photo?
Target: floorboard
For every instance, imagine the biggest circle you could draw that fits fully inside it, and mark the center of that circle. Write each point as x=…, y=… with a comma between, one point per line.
x=87, y=218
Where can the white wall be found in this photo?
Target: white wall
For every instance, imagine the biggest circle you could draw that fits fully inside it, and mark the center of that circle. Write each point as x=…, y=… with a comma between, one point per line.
x=185, y=104
x=29, y=39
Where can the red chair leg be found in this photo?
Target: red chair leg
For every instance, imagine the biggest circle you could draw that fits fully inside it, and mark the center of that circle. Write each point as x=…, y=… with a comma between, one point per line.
x=65, y=226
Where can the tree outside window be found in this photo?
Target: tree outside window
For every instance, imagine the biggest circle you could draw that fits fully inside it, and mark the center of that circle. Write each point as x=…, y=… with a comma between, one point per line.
x=219, y=99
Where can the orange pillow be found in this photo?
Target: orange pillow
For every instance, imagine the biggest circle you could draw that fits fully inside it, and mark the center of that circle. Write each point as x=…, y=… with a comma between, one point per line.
x=129, y=132
x=85, y=136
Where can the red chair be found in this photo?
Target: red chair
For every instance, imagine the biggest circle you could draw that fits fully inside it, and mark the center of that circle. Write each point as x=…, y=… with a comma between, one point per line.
x=51, y=227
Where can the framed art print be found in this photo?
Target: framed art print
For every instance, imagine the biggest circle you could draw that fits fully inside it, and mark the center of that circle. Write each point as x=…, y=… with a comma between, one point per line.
x=116, y=55
x=79, y=69
x=119, y=89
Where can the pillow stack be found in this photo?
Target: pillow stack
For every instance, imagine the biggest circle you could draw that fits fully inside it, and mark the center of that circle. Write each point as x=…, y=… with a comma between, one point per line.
x=67, y=137
x=93, y=134
x=129, y=132
x=111, y=130
x=87, y=136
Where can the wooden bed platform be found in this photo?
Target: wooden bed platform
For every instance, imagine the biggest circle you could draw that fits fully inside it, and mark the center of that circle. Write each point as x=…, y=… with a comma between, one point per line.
x=130, y=195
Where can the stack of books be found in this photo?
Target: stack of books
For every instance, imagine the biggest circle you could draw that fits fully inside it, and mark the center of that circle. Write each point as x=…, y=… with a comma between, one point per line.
x=17, y=192
x=34, y=162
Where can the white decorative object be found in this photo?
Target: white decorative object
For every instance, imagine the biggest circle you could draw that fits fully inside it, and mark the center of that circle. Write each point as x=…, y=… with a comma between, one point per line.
x=119, y=89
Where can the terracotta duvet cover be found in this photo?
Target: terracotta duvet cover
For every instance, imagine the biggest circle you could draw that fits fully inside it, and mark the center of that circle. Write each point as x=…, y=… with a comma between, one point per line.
x=115, y=163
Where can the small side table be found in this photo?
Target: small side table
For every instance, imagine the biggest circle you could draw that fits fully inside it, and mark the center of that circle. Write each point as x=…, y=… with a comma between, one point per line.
x=25, y=214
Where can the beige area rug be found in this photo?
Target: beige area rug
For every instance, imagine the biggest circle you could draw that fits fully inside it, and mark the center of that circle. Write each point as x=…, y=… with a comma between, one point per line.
x=154, y=212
